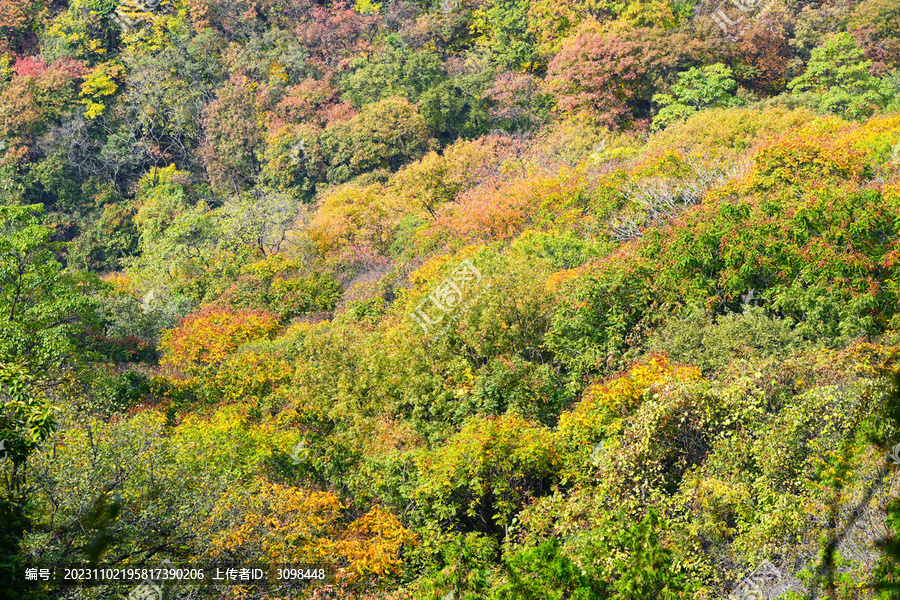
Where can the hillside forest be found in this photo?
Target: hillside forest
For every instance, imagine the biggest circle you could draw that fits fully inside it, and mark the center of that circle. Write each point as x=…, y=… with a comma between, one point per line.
x=454, y=300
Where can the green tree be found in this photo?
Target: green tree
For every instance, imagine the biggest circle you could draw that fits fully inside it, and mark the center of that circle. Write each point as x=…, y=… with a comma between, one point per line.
x=506, y=34
x=177, y=237
x=621, y=556
x=383, y=135
x=43, y=308
x=261, y=219
x=485, y=473
x=26, y=419
x=644, y=567
x=107, y=242
x=838, y=79
x=545, y=572
x=397, y=71
x=698, y=88
x=887, y=572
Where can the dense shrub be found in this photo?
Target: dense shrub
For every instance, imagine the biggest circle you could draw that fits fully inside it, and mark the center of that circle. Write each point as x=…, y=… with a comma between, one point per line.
x=485, y=473
x=714, y=343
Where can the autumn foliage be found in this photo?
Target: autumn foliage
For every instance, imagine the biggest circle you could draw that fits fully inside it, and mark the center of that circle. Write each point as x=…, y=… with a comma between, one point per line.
x=292, y=526
x=455, y=299
x=206, y=338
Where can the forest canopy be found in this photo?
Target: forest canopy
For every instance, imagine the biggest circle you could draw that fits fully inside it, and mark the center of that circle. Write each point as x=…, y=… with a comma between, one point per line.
x=451, y=300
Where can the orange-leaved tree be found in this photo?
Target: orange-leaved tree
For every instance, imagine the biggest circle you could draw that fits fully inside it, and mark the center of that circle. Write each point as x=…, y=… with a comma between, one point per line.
x=208, y=337
x=604, y=404
x=284, y=524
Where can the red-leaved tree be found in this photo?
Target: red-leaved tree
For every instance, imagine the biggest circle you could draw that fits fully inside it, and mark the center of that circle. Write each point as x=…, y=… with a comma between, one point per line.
x=610, y=74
